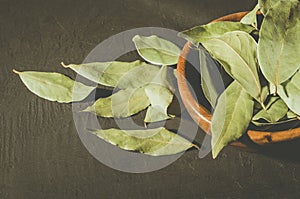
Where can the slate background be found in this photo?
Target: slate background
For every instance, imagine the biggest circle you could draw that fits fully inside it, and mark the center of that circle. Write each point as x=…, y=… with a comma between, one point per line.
x=41, y=155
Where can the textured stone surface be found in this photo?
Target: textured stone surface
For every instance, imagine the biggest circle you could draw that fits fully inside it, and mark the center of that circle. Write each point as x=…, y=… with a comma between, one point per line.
x=41, y=155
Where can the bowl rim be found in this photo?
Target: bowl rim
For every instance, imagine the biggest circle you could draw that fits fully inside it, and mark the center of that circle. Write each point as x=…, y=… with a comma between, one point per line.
x=203, y=117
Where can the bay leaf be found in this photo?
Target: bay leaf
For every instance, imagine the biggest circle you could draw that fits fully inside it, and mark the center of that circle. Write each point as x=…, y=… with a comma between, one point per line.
x=160, y=98
x=210, y=77
x=250, y=18
x=54, y=86
x=267, y=124
x=290, y=93
x=290, y=114
x=154, y=142
x=123, y=103
x=278, y=46
x=236, y=51
x=138, y=77
x=265, y=5
x=147, y=74
x=104, y=73
x=275, y=110
x=232, y=116
x=156, y=50
x=203, y=33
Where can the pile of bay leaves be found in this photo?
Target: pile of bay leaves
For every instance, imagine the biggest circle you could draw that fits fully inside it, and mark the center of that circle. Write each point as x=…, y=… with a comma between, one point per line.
x=263, y=61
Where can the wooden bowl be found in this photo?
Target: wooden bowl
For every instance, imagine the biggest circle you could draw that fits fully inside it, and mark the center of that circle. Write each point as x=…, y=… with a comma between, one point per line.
x=203, y=117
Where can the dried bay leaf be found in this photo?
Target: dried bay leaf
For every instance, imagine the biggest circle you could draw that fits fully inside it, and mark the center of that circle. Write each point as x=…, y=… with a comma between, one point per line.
x=232, y=116
x=160, y=98
x=290, y=114
x=250, y=18
x=265, y=5
x=138, y=77
x=290, y=93
x=278, y=46
x=275, y=110
x=154, y=142
x=123, y=103
x=54, y=86
x=210, y=77
x=203, y=33
x=105, y=73
x=236, y=51
x=156, y=50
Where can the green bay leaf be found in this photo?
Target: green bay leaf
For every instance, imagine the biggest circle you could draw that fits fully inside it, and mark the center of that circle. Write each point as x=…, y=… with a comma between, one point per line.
x=250, y=18
x=290, y=114
x=210, y=77
x=275, y=110
x=156, y=50
x=278, y=46
x=54, y=86
x=202, y=33
x=267, y=124
x=236, y=51
x=231, y=117
x=290, y=93
x=138, y=77
x=160, y=98
x=123, y=103
x=154, y=142
x=104, y=73
x=265, y=5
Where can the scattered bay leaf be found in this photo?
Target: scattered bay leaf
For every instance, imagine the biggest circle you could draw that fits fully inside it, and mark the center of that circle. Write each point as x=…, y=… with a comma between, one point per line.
x=232, y=116
x=105, y=73
x=156, y=50
x=202, y=33
x=160, y=98
x=54, y=86
x=154, y=142
x=138, y=77
x=123, y=103
x=278, y=46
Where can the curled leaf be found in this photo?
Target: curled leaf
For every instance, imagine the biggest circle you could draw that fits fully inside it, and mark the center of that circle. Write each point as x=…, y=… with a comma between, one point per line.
x=54, y=86
x=154, y=142
x=156, y=50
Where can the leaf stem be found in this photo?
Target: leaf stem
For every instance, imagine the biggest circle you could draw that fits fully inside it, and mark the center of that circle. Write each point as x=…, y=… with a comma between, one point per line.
x=15, y=71
x=263, y=106
x=197, y=147
x=64, y=65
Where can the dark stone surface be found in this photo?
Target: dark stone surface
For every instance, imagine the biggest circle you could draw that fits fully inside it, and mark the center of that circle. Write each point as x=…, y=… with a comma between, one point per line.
x=41, y=155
